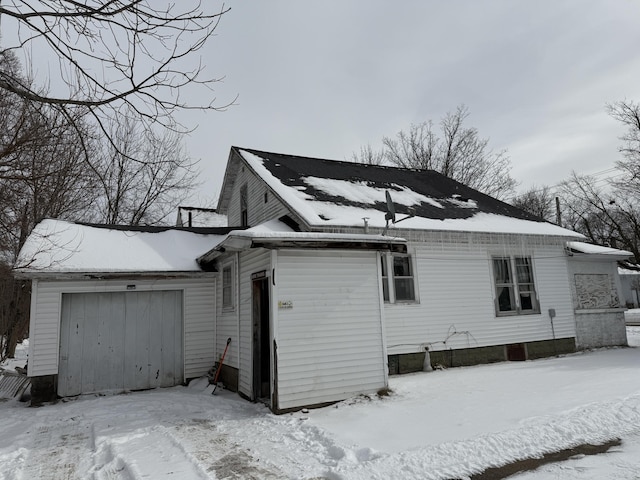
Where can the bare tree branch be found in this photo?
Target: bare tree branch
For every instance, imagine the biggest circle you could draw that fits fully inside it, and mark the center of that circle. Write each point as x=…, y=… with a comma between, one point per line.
x=114, y=54
x=454, y=150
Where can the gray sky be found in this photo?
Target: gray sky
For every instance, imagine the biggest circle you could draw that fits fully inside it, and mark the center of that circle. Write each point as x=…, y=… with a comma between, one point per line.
x=322, y=78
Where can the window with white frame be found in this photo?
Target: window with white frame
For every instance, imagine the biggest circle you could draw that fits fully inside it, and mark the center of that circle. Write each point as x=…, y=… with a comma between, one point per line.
x=227, y=286
x=514, y=286
x=397, y=278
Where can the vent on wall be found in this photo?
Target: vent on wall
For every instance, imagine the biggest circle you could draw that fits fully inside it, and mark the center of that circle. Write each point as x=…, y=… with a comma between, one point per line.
x=516, y=352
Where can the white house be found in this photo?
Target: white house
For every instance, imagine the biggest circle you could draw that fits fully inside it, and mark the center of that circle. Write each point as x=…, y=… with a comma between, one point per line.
x=630, y=281
x=336, y=275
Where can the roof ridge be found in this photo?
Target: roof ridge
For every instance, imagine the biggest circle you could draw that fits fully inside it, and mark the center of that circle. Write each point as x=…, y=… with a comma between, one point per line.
x=347, y=162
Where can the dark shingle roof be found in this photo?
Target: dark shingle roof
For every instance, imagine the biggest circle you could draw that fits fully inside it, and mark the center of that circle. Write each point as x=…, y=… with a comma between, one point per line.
x=457, y=201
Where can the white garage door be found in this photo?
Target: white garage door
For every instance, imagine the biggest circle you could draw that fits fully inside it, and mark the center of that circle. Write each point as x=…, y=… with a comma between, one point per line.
x=120, y=341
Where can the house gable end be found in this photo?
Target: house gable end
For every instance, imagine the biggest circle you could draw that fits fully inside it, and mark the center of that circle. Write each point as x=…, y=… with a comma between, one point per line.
x=247, y=199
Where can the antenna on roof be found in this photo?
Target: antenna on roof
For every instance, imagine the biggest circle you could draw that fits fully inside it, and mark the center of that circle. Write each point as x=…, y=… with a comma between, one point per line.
x=391, y=209
x=391, y=212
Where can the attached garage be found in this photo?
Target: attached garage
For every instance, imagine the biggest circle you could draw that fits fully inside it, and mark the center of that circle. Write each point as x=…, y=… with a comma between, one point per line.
x=117, y=341
x=115, y=309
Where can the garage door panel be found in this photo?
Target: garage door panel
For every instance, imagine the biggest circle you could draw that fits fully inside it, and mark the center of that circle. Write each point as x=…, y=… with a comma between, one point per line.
x=109, y=349
x=72, y=338
x=120, y=341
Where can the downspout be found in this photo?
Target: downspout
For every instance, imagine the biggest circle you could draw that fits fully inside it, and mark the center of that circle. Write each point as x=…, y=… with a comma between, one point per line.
x=383, y=331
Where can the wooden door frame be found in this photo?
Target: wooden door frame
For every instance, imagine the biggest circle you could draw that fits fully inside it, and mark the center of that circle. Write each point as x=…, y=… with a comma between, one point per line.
x=261, y=334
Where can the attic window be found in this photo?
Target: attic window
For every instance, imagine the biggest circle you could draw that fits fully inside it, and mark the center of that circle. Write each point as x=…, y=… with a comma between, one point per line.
x=398, y=285
x=244, y=209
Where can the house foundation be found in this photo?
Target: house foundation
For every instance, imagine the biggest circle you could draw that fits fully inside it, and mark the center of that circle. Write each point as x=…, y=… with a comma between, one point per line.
x=43, y=389
x=413, y=362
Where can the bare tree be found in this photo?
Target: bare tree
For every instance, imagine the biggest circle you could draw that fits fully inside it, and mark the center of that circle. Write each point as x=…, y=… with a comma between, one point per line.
x=610, y=214
x=368, y=155
x=454, y=150
x=115, y=57
x=42, y=174
x=628, y=113
x=142, y=176
x=14, y=311
x=538, y=201
x=603, y=214
x=53, y=164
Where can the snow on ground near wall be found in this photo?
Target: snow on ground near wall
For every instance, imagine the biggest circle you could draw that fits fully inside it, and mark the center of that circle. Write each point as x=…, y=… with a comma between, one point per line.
x=443, y=424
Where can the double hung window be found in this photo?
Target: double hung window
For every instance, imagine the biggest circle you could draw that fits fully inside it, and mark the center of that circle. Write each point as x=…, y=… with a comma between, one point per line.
x=397, y=278
x=514, y=286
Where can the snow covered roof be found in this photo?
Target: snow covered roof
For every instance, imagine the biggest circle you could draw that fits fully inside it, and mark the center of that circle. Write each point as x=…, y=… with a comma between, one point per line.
x=328, y=193
x=276, y=233
x=200, y=217
x=57, y=246
x=590, y=249
x=627, y=271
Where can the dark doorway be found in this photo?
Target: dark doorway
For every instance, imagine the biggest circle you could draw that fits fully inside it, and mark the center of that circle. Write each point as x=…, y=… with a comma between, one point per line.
x=261, y=341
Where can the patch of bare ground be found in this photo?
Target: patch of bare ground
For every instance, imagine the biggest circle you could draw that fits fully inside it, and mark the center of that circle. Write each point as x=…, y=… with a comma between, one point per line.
x=530, y=464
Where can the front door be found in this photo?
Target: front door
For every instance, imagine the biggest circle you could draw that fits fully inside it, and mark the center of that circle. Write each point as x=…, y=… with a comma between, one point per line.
x=261, y=340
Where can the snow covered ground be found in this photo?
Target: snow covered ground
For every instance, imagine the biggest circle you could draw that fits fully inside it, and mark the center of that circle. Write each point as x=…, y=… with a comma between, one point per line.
x=444, y=424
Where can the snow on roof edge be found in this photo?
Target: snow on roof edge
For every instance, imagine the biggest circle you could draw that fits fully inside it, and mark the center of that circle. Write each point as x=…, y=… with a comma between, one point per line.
x=342, y=216
x=58, y=247
x=591, y=249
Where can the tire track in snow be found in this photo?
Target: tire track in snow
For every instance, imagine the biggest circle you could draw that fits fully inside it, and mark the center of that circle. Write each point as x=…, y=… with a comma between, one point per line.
x=144, y=454
x=205, y=444
x=58, y=451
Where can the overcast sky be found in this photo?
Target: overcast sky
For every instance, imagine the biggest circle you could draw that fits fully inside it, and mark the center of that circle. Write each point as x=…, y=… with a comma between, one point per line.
x=322, y=78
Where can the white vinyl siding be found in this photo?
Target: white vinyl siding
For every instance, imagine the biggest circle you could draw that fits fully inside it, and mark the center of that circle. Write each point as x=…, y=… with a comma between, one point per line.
x=227, y=318
x=227, y=286
x=457, y=295
x=251, y=261
x=258, y=211
x=44, y=328
x=199, y=328
x=198, y=319
x=329, y=331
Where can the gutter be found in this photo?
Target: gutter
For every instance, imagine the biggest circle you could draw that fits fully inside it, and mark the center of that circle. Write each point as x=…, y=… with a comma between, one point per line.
x=244, y=240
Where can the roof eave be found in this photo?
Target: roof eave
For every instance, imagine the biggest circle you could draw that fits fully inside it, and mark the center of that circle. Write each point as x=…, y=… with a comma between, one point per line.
x=236, y=243
x=230, y=174
x=105, y=275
